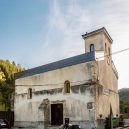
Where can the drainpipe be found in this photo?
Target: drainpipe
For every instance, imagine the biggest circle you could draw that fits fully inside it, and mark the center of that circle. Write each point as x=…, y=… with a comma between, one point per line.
x=111, y=121
x=111, y=117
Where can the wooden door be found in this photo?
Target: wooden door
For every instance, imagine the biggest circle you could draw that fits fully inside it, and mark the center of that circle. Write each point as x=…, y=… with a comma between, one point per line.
x=56, y=114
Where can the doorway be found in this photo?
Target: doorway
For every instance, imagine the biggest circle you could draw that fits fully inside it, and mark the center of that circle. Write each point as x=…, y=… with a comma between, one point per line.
x=56, y=114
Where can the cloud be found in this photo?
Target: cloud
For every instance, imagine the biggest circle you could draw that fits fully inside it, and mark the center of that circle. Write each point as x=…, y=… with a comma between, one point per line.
x=67, y=25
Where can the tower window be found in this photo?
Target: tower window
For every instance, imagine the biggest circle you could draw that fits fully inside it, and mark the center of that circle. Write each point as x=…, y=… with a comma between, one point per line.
x=105, y=47
x=91, y=47
x=67, y=87
x=109, y=52
x=30, y=93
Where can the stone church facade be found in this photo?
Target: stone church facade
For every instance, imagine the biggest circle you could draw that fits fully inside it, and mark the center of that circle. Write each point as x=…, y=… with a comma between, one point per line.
x=83, y=88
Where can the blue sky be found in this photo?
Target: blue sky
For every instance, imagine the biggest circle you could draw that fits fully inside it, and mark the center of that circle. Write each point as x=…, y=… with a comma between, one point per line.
x=36, y=32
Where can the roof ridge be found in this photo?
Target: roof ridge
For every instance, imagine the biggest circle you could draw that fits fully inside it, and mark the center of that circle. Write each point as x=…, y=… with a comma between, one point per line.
x=57, y=65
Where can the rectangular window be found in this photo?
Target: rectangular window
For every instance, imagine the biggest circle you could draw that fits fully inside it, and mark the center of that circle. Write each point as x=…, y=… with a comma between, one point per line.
x=30, y=93
x=105, y=47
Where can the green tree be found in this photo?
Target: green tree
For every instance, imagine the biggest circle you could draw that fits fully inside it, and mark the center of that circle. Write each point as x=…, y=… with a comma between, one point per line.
x=7, y=83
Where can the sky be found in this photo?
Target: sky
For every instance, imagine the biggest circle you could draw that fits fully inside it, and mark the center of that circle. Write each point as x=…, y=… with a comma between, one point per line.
x=36, y=32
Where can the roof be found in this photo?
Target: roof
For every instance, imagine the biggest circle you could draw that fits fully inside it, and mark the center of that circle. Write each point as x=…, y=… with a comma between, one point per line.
x=98, y=31
x=57, y=65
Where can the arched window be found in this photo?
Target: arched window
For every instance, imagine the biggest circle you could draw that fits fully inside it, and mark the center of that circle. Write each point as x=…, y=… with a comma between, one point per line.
x=30, y=93
x=91, y=47
x=67, y=87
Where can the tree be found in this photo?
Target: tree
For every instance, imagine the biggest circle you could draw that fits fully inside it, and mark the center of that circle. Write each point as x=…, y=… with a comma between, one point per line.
x=2, y=76
x=7, y=83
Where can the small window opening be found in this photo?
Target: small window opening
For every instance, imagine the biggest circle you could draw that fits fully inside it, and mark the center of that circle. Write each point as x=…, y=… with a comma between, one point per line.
x=67, y=87
x=105, y=47
x=91, y=47
x=109, y=52
x=30, y=93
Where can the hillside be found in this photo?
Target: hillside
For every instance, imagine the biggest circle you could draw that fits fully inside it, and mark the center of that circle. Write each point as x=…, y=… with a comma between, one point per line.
x=124, y=102
x=124, y=94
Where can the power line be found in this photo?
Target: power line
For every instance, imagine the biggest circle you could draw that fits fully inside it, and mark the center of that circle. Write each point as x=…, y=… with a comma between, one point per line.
x=120, y=51
x=114, y=53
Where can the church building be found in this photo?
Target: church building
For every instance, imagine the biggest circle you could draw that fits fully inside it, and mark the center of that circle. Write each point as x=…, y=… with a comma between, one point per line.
x=82, y=89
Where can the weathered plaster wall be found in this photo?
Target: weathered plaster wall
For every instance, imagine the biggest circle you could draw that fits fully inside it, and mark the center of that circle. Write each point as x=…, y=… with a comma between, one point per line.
x=108, y=83
x=107, y=88
x=97, y=40
x=105, y=73
x=75, y=74
x=49, y=86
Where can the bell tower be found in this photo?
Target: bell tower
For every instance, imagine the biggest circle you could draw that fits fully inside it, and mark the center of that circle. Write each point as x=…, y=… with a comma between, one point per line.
x=98, y=41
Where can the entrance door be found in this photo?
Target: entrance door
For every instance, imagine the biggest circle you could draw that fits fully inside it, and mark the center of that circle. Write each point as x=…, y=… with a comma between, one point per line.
x=56, y=114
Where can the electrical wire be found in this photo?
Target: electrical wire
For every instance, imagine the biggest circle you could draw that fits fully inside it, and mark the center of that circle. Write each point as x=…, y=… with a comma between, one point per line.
x=114, y=53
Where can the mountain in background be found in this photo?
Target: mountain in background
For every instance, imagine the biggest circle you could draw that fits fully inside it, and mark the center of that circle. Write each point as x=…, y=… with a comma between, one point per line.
x=124, y=94
x=124, y=102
